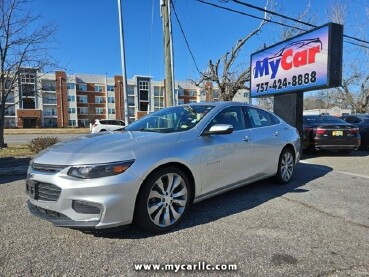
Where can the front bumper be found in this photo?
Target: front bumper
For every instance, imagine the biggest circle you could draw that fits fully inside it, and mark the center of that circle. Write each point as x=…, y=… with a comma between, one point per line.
x=115, y=196
x=59, y=219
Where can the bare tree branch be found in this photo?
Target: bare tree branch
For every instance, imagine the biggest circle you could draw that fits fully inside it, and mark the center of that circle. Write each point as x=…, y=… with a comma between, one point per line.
x=24, y=45
x=228, y=81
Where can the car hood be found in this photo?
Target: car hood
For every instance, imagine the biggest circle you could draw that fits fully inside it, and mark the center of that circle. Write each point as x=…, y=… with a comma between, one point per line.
x=102, y=147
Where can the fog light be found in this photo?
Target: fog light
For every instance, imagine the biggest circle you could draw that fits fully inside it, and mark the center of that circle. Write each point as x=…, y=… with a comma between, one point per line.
x=83, y=207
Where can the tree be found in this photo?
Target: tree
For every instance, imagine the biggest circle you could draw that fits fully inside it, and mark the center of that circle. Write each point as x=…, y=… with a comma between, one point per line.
x=227, y=78
x=24, y=45
x=354, y=92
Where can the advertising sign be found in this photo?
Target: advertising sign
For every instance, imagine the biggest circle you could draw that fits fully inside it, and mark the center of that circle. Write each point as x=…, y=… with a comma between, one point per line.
x=309, y=61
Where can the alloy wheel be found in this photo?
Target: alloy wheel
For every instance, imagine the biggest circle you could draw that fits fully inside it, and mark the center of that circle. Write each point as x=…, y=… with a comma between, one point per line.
x=167, y=200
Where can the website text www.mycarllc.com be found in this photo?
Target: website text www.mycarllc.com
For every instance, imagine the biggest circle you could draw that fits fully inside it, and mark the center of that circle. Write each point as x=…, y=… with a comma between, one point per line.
x=200, y=266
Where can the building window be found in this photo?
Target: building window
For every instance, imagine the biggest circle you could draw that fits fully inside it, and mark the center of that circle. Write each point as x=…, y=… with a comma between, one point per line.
x=143, y=93
x=99, y=99
x=28, y=90
x=99, y=88
x=72, y=123
x=110, y=88
x=111, y=111
x=82, y=99
x=83, y=110
x=10, y=111
x=71, y=85
x=50, y=123
x=99, y=110
x=158, y=91
x=71, y=110
x=143, y=85
x=49, y=100
x=83, y=122
x=10, y=98
x=29, y=103
x=130, y=90
x=28, y=78
x=111, y=99
x=180, y=101
x=71, y=98
x=82, y=87
x=131, y=112
x=49, y=112
x=48, y=85
x=9, y=123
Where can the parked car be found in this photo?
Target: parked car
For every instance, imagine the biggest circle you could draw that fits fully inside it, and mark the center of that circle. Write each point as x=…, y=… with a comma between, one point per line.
x=153, y=170
x=102, y=125
x=329, y=132
x=362, y=122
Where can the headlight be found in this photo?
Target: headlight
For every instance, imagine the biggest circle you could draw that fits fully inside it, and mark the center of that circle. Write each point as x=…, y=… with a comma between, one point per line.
x=99, y=170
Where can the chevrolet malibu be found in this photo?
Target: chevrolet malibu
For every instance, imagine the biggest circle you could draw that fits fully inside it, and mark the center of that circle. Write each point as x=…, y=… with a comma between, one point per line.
x=150, y=172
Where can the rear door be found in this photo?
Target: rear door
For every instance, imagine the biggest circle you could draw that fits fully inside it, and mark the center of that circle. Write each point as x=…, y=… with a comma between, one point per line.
x=266, y=137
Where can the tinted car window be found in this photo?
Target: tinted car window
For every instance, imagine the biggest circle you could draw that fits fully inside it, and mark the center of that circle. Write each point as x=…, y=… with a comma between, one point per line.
x=259, y=118
x=231, y=116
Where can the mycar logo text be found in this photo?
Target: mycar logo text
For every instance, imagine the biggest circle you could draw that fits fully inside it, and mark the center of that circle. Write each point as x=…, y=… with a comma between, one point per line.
x=294, y=55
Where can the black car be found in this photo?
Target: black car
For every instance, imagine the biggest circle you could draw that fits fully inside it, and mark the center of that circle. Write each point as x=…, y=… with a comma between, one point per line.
x=329, y=132
x=362, y=122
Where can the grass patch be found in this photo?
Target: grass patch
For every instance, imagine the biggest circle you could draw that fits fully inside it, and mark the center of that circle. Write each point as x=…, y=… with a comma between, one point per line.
x=16, y=150
x=47, y=131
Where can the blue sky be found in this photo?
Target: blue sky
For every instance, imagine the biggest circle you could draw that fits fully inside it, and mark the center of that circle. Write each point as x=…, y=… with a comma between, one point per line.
x=88, y=36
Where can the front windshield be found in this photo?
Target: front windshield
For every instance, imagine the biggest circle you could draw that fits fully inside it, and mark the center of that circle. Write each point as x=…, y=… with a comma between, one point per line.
x=170, y=120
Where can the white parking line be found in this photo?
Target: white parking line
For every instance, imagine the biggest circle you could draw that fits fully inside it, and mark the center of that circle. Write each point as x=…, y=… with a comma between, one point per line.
x=338, y=171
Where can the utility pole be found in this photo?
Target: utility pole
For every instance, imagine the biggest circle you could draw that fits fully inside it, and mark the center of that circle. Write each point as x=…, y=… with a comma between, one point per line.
x=123, y=60
x=168, y=54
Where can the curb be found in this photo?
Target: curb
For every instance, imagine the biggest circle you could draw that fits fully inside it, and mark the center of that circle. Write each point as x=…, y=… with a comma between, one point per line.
x=19, y=170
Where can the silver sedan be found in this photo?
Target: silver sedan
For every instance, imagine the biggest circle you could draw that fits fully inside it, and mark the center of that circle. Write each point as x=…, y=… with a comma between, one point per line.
x=152, y=170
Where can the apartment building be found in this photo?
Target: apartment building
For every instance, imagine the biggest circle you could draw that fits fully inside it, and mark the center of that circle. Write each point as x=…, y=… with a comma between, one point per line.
x=60, y=100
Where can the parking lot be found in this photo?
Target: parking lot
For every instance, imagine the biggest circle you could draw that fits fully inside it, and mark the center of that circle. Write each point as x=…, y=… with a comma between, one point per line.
x=317, y=225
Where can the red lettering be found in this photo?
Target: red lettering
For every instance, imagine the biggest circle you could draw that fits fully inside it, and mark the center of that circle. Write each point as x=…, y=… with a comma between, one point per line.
x=300, y=58
x=284, y=63
x=312, y=52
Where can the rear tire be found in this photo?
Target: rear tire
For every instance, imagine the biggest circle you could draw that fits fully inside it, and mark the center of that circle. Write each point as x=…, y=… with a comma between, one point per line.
x=286, y=166
x=163, y=200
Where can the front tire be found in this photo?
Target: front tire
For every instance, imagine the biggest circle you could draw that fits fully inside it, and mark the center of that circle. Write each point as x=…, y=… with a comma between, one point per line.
x=286, y=167
x=163, y=200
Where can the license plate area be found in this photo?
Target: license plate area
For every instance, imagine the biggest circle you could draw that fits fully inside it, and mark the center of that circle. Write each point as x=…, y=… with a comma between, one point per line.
x=31, y=189
x=337, y=133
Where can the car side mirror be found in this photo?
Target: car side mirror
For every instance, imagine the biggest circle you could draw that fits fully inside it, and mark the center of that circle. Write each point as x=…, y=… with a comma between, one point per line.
x=219, y=129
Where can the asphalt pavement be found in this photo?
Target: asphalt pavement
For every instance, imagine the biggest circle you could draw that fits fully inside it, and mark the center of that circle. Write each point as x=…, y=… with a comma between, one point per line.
x=317, y=225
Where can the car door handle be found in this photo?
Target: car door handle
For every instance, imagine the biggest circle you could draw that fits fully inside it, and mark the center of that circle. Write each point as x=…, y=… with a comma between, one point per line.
x=276, y=133
x=246, y=139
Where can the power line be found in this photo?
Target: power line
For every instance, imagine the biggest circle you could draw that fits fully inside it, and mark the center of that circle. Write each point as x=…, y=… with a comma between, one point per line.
x=184, y=36
x=289, y=18
x=249, y=15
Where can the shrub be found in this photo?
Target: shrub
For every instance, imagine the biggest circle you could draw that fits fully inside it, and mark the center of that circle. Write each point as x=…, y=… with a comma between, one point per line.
x=41, y=143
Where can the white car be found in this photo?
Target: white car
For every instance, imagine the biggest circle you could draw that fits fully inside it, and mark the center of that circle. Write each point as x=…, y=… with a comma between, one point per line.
x=102, y=125
x=151, y=172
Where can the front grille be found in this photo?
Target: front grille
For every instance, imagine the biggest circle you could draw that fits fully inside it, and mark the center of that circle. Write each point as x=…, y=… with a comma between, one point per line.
x=47, y=192
x=48, y=168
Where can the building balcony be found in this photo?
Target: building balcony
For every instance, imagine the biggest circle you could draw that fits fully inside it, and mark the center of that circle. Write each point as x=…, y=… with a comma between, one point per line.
x=49, y=89
x=49, y=102
x=49, y=114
